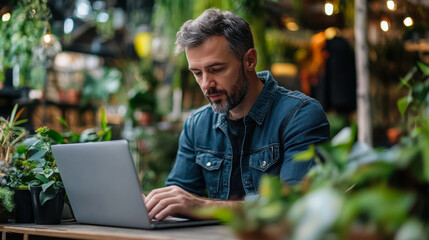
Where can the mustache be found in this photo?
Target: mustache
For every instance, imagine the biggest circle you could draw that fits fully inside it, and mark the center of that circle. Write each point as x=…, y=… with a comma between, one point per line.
x=212, y=91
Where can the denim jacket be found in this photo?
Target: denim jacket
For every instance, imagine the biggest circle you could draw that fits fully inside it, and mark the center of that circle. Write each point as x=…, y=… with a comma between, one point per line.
x=280, y=124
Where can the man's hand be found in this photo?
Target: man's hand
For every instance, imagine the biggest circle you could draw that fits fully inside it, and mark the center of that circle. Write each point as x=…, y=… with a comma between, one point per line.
x=174, y=201
x=171, y=201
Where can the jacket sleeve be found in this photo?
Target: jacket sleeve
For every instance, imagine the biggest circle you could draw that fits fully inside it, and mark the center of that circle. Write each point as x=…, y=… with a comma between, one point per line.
x=305, y=126
x=186, y=173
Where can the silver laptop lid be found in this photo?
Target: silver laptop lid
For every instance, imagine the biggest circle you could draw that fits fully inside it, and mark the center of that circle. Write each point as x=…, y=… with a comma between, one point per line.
x=101, y=182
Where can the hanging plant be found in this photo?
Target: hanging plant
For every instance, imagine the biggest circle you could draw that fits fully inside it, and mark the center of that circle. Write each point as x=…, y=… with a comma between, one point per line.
x=22, y=34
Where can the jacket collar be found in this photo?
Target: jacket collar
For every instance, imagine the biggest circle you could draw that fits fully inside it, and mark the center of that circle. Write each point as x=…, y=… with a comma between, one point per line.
x=260, y=108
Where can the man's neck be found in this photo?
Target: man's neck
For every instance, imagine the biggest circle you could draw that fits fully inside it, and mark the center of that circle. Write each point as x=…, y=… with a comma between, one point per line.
x=242, y=109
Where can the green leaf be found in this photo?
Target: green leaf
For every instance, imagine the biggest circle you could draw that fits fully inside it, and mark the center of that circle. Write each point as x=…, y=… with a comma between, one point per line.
x=38, y=150
x=305, y=155
x=381, y=205
x=222, y=214
x=54, y=135
x=424, y=68
x=344, y=137
x=46, y=196
x=403, y=105
x=404, y=82
x=107, y=135
x=412, y=229
x=48, y=172
x=270, y=188
x=30, y=141
x=409, y=75
x=271, y=211
x=62, y=121
x=21, y=149
x=36, y=155
x=47, y=185
x=12, y=116
x=89, y=135
x=20, y=121
x=42, y=178
x=18, y=138
x=103, y=119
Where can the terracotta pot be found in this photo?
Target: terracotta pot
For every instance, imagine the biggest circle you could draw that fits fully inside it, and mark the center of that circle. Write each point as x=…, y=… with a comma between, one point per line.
x=393, y=135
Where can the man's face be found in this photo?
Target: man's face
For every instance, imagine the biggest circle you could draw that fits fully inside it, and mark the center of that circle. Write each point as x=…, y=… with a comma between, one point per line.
x=218, y=73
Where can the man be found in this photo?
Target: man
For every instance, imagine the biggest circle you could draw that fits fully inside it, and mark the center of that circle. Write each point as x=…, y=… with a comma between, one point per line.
x=251, y=127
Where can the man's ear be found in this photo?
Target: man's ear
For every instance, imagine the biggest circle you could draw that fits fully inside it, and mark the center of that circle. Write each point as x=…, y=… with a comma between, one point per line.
x=250, y=59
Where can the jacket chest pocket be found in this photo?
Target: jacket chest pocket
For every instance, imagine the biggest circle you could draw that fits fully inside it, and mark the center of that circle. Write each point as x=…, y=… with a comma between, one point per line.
x=265, y=160
x=211, y=165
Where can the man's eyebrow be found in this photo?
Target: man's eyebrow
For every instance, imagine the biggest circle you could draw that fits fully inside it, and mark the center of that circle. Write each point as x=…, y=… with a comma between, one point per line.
x=215, y=64
x=208, y=66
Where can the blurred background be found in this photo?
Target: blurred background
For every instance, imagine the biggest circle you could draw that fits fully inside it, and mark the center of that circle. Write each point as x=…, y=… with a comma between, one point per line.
x=70, y=59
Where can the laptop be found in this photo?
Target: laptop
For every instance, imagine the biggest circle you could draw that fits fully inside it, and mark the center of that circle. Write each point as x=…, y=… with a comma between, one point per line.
x=103, y=187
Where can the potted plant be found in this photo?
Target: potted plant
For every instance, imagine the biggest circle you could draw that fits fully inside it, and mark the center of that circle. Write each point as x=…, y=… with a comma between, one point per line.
x=47, y=190
x=15, y=174
x=6, y=204
x=33, y=165
x=99, y=85
x=46, y=186
x=143, y=105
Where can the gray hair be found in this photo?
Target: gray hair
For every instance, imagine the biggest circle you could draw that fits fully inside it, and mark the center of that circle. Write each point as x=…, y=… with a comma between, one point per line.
x=213, y=22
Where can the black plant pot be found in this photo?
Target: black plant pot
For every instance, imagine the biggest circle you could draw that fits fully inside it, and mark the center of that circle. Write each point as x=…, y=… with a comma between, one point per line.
x=3, y=214
x=23, y=208
x=51, y=211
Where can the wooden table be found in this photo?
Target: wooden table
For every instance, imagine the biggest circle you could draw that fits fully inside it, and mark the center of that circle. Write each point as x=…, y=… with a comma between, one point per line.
x=81, y=231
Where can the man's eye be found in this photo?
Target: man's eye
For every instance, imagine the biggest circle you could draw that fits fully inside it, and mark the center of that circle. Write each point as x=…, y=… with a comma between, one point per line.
x=197, y=74
x=216, y=70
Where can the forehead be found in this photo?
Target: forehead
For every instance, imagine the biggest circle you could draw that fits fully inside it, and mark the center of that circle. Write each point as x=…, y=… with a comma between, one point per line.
x=214, y=49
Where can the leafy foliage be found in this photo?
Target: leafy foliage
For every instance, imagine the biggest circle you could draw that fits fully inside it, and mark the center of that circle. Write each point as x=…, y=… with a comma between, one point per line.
x=100, y=84
x=417, y=100
x=10, y=134
x=6, y=199
x=46, y=172
x=33, y=163
x=355, y=191
x=22, y=33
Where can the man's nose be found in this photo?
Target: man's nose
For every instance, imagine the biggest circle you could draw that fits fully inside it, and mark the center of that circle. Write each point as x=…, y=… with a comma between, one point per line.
x=207, y=81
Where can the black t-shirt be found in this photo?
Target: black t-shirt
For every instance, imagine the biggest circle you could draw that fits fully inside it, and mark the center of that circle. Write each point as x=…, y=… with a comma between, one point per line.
x=236, y=136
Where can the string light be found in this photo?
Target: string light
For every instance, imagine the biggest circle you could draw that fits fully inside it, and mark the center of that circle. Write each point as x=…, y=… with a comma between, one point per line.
x=5, y=17
x=384, y=25
x=391, y=5
x=290, y=23
x=68, y=25
x=47, y=38
x=408, y=21
x=292, y=26
x=329, y=8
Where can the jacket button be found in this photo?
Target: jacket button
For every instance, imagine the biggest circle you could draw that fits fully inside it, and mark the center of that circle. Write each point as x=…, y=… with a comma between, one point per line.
x=208, y=164
x=264, y=163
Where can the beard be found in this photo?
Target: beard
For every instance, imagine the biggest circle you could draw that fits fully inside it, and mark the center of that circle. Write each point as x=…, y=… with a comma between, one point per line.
x=238, y=92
